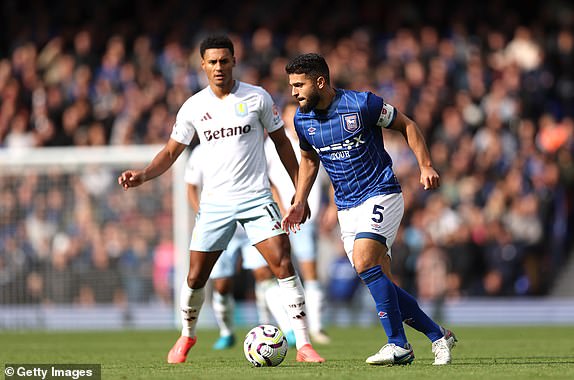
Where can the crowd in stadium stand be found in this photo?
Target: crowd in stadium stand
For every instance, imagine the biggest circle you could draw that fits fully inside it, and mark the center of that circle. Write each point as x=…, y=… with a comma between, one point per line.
x=490, y=83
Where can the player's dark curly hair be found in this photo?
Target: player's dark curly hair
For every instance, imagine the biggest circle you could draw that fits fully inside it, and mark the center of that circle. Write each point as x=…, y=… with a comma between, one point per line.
x=216, y=42
x=310, y=64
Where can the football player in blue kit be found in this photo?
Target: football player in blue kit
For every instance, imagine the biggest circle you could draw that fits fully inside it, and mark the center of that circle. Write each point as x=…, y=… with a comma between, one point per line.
x=342, y=129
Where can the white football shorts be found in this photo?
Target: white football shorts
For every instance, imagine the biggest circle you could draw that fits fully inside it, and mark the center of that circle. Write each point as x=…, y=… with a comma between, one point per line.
x=226, y=265
x=304, y=242
x=377, y=218
x=215, y=224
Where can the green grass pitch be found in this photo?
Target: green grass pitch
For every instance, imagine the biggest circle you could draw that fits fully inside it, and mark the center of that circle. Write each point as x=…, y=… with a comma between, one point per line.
x=522, y=352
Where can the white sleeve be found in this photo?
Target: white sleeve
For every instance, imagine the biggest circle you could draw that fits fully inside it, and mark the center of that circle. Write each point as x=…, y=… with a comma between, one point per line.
x=269, y=152
x=193, y=173
x=387, y=116
x=183, y=129
x=270, y=116
x=273, y=160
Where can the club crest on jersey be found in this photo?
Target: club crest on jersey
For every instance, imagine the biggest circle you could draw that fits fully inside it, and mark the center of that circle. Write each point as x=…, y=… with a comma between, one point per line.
x=241, y=109
x=351, y=122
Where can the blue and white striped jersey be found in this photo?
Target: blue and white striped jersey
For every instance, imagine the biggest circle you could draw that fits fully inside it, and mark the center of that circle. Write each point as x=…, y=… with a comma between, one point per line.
x=349, y=140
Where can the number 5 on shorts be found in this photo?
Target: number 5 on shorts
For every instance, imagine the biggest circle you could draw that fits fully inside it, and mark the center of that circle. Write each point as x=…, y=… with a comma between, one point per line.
x=378, y=214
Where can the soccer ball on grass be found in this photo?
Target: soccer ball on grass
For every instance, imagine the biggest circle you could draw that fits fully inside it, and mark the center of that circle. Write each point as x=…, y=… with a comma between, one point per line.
x=265, y=346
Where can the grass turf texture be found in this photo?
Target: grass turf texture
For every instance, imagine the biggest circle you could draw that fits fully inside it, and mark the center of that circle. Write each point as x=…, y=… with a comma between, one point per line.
x=525, y=352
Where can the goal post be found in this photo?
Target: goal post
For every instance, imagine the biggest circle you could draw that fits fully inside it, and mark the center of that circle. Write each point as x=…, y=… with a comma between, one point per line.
x=69, y=234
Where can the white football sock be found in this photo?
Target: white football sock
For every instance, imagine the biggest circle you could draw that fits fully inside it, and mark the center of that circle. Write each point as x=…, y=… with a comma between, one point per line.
x=223, y=307
x=261, y=303
x=273, y=299
x=294, y=303
x=314, y=299
x=190, y=302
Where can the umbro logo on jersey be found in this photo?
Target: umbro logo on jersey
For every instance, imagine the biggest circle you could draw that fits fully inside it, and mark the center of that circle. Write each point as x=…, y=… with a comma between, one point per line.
x=311, y=131
x=205, y=117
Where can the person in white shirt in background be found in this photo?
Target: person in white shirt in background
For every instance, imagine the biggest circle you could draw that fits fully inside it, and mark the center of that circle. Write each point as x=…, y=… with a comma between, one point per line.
x=267, y=292
x=304, y=245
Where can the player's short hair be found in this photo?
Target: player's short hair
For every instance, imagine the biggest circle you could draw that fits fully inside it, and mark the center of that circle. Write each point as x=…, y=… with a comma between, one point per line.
x=216, y=42
x=310, y=64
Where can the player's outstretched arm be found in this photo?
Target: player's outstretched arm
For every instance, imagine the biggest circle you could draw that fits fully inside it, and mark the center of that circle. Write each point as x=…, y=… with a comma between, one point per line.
x=161, y=162
x=413, y=135
x=286, y=153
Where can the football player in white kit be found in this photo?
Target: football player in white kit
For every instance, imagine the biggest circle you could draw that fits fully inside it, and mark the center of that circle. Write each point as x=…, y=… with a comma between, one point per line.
x=230, y=118
x=267, y=292
x=304, y=242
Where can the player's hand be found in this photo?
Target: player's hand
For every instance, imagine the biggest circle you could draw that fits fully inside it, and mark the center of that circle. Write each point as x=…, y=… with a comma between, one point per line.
x=131, y=178
x=306, y=215
x=295, y=215
x=429, y=178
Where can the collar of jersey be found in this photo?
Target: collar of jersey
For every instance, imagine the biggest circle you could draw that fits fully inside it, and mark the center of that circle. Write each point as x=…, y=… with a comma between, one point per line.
x=233, y=90
x=332, y=106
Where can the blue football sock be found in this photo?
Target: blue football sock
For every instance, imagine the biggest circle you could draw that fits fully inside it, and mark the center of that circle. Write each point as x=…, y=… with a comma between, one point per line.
x=385, y=296
x=413, y=316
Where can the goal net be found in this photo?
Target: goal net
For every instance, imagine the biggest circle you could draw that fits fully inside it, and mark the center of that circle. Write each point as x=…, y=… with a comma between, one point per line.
x=72, y=241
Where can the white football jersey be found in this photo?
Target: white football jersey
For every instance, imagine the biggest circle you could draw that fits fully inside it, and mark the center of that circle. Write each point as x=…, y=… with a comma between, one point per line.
x=193, y=172
x=280, y=178
x=231, y=133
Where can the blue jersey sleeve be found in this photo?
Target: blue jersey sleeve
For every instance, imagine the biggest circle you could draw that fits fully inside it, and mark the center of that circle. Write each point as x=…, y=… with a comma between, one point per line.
x=379, y=113
x=374, y=108
x=303, y=143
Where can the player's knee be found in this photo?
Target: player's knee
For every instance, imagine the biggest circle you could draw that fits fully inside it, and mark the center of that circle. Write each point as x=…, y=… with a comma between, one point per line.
x=223, y=285
x=196, y=280
x=281, y=266
x=284, y=245
x=286, y=268
x=364, y=263
x=262, y=273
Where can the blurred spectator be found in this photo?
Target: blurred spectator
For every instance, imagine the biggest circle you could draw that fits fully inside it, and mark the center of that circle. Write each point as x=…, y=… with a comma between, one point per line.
x=135, y=265
x=343, y=284
x=100, y=283
x=60, y=281
x=431, y=278
x=19, y=135
x=163, y=268
x=493, y=97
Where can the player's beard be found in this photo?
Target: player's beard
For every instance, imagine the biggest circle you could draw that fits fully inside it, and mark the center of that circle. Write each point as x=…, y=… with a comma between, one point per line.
x=312, y=101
